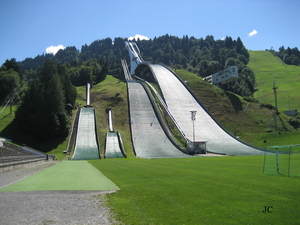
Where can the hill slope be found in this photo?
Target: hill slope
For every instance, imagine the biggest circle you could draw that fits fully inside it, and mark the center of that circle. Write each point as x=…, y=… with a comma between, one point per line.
x=250, y=125
x=268, y=69
x=246, y=120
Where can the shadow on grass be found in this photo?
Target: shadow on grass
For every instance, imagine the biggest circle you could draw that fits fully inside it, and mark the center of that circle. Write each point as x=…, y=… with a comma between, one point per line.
x=13, y=132
x=2, y=118
x=235, y=101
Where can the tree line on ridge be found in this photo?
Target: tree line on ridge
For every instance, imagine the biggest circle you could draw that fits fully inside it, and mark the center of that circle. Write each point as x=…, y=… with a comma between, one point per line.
x=44, y=111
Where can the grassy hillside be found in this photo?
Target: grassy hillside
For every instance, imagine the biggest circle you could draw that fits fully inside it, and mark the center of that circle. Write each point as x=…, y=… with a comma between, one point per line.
x=229, y=110
x=268, y=69
x=110, y=93
x=6, y=118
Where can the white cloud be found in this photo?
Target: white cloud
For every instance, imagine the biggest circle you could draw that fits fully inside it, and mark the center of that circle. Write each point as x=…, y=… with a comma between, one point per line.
x=141, y=37
x=253, y=32
x=54, y=49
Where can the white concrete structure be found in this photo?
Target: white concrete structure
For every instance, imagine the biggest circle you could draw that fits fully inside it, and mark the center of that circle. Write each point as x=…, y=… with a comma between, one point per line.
x=88, y=94
x=110, y=123
x=134, y=53
x=225, y=75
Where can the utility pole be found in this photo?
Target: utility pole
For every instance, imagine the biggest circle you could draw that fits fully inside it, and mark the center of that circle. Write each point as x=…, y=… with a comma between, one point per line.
x=276, y=110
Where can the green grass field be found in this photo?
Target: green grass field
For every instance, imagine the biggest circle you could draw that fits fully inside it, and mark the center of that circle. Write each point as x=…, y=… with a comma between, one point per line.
x=268, y=69
x=212, y=190
x=283, y=165
x=270, y=139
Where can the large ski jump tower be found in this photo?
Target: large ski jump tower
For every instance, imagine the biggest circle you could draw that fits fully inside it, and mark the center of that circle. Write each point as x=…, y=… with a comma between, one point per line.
x=134, y=53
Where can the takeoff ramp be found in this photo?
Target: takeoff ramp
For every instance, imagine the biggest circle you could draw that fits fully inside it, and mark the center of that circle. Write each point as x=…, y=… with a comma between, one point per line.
x=86, y=142
x=113, y=147
x=180, y=102
x=149, y=139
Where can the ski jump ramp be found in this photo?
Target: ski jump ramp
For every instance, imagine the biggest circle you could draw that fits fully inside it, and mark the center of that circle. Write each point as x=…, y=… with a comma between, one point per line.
x=180, y=102
x=148, y=137
x=113, y=148
x=87, y=146
x=113, y=145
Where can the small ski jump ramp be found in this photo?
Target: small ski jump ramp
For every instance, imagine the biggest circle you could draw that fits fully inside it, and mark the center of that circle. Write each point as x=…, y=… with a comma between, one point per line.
x=149, y=139
x=113, y=146
x=86, y=146
x=180, y=102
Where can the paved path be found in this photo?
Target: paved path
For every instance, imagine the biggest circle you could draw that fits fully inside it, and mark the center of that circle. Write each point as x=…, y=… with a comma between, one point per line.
x=12, y=176
x=66, y=175
x=53, y=207
x=33, y=205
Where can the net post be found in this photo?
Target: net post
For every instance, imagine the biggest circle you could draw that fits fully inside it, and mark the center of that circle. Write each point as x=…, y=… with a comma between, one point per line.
x=264, y=167
x=289, y=160
x=277, y=163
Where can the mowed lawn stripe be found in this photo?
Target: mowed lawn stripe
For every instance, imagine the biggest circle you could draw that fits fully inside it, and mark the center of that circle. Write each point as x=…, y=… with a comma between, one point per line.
x=66, y=175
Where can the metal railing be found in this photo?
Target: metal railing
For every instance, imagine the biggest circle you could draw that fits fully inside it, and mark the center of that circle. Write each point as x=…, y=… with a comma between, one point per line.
x=126, y=70
x=14, y=159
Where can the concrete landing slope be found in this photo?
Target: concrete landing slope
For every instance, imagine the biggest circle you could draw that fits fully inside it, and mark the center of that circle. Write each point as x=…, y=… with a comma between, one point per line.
x=86, y=146
x=180, y=102
x=112, y=146
x=149, y=139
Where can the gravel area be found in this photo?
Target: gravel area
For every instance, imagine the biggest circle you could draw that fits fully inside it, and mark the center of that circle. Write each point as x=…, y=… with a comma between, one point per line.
x=49, y=207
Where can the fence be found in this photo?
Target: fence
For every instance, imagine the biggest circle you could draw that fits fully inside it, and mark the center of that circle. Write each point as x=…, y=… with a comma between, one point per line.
x=284, y=161
x=14, y=159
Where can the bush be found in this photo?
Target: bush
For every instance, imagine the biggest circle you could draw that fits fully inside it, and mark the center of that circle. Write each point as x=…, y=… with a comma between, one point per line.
x=294, y=122
x=267, y=105
x=250, y=99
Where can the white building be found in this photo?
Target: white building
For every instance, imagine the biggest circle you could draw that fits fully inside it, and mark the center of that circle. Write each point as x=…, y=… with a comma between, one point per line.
x=223, y=76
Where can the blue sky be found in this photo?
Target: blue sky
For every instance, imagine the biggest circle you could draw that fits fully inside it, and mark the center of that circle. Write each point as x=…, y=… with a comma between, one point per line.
x=29, y=27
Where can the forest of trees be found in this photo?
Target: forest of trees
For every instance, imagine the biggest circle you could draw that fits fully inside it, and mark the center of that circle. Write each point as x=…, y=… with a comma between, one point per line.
x=203, y=56
x=10, y=78
x=290, y=56
x=43, y=111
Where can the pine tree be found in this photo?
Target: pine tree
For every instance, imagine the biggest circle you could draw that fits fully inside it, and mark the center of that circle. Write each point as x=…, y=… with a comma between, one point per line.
x=43, y=110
